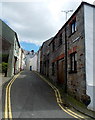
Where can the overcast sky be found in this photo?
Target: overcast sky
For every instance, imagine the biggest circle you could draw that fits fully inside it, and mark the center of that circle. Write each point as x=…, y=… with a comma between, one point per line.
x=38, y=20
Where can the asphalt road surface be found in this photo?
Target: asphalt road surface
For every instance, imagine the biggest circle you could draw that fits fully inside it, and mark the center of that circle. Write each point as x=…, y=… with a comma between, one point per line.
x=31, y=97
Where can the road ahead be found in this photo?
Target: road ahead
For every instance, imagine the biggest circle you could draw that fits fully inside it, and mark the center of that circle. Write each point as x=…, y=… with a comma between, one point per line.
x=31, y=97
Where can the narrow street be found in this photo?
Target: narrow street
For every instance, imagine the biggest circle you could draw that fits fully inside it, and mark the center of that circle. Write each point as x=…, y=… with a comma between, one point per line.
x=31, y=97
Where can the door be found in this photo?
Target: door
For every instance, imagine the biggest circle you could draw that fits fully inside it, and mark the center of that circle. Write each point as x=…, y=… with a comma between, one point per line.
x=15, y=60
x=60, y=72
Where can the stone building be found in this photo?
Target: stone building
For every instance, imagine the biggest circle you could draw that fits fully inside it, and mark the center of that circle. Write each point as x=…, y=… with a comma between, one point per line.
x=71, y=55
x=44, y=59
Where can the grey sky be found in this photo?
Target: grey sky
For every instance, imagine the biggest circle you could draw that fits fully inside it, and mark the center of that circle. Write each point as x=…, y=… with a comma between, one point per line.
x=38, y=20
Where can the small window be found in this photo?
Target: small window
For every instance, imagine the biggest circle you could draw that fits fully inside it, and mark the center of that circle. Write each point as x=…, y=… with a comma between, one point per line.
x=73, y=26
x=53, y=46
x=53, y=68
x=73, y=62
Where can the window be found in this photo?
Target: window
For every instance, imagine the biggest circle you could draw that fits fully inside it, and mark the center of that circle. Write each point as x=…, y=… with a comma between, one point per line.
x=73, y=26
x=73, y=62
x=53, y=46
x=60, y=39
x=53, y=68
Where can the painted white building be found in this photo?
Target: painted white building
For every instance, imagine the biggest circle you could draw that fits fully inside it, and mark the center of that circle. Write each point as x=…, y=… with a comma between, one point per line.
x=17, y=55
x=22, y=65
x=18, y=58
x=28, y=55
x=12, y=49
x=38, y=60
x=33, y=62
x=89, y=21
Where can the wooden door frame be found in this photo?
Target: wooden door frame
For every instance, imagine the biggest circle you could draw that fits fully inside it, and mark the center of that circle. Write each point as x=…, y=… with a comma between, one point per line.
x=62, y=60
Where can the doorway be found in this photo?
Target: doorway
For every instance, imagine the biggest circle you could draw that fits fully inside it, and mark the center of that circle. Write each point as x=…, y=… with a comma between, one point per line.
x=15, y=61
x=60, y=71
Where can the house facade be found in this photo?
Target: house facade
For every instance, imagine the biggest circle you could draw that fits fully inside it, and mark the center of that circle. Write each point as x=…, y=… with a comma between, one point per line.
x=44, y=59
x=17, y=55
x=29, y=55
x=38, y=60
x=33, y=62
x=23, y=57
x=11, y=50
x=71, y=55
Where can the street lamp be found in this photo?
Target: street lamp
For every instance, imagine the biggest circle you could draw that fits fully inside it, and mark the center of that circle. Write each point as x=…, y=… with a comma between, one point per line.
x=67, y=11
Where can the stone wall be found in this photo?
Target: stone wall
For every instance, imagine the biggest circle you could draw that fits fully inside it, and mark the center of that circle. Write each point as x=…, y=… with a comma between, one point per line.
x=67, y=58
x=76, y=82
x=44, y=60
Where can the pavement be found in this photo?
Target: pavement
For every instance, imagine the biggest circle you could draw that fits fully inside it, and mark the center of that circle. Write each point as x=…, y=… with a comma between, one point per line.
x=3, y=80
x=78, y=106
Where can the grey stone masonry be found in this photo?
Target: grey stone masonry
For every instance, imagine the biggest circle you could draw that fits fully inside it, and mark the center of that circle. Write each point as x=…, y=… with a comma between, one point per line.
x=67, y=56
x=76, y=81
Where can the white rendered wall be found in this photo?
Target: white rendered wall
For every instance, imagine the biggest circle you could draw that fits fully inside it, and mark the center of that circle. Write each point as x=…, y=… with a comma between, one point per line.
x=94, y=56
x=89, y=38
x=38, y=61
x=27, y=62
x=23, y=61
x=33, y=62
x=19, y=59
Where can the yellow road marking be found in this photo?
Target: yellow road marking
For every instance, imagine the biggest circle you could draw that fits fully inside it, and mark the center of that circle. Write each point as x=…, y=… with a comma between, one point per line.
x=74, y=113
x=8, y=110
x=59, y=100
x=7, y=100
x=67, y=112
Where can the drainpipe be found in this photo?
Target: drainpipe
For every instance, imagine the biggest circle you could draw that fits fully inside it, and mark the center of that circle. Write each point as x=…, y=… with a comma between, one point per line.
x=65, y=82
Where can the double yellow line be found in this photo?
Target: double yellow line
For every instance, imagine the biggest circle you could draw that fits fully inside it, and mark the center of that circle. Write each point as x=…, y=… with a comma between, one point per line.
x=59, y=100
x=8, y=110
